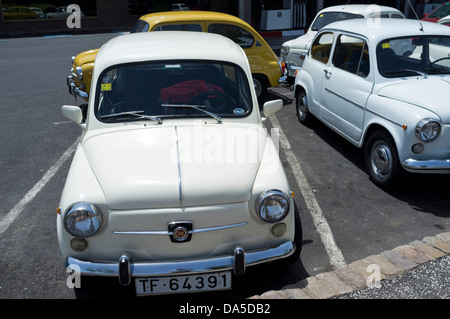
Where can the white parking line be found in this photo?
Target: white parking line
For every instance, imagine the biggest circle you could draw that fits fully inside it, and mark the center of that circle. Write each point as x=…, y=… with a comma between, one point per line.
x=319, y=220
x=20, y=206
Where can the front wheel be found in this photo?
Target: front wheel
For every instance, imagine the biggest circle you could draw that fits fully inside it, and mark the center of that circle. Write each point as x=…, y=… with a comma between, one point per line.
x=382, y=160
x=298, y=238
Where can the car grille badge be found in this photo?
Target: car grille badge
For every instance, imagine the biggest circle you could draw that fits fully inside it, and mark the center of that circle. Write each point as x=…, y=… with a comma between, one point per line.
x=180, y=231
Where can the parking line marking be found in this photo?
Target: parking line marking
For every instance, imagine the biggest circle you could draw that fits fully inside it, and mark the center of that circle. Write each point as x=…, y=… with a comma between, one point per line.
x=20, y=206
x=334, y=253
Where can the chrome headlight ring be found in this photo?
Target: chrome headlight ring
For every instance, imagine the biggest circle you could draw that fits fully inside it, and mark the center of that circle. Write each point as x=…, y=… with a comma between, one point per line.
x=284, y=50
x=428, y=129
x=83, y=220
x=272, y=205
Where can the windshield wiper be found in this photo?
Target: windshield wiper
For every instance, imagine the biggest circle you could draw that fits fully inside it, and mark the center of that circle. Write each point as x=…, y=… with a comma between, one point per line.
x=195, y=107
x=134, y=113
x=408, y=71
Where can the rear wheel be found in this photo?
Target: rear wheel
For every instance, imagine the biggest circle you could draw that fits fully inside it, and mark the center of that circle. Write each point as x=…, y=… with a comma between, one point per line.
x=260, y=84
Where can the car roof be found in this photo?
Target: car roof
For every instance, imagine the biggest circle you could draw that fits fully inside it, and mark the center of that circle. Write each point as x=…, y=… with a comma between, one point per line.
x=379, y=29
x=173, y=16
x=362, y=9
x=169, y=45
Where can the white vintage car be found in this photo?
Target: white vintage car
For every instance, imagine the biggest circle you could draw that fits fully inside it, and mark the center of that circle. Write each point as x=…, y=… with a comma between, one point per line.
x=292, y=50
x=176, y=185
x=394, y=106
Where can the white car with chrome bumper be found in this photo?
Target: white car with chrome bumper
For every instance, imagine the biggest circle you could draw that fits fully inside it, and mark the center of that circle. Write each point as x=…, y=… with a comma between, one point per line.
x=176, y=183
x=395, y=106
x=291, y=51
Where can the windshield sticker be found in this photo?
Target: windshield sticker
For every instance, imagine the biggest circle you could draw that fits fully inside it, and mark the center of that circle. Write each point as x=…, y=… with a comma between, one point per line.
x=106, y=87
x=385, y=45
x=172, y=66
x=238, y=111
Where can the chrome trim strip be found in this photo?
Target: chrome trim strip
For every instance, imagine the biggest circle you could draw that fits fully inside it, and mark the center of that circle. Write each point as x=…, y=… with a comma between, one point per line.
x=166, y=233
x=345, y=99
x=147, y=269
x=180, y=189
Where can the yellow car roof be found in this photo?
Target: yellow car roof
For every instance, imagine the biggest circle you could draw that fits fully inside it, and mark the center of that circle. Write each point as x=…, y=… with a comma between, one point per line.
x=174, y=16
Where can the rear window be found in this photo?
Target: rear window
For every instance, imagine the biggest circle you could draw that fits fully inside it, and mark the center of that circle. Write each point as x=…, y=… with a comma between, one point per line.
x=329, y=17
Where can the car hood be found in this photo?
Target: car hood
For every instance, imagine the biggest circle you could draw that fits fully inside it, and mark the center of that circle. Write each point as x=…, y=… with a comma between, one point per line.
x=432, y=93
x=175, y=166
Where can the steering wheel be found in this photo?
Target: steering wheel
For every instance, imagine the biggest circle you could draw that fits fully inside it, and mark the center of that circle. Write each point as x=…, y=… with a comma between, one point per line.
x=444, y=58
x=218, y=101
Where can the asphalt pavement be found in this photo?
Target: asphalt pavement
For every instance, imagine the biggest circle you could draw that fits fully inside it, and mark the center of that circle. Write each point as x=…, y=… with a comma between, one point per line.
x=415, y=270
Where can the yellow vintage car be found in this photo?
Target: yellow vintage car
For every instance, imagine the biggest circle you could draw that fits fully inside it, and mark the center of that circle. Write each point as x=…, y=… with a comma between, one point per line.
x=264, y=64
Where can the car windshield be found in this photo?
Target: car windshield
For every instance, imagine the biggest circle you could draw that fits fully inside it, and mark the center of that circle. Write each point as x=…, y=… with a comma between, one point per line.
x=328, y=17
x=410, y=56
x=172, y=89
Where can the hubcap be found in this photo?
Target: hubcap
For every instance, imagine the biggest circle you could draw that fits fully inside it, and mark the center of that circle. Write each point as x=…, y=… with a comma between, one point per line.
x=302, y=107
x=381, y=159
x=257, y=87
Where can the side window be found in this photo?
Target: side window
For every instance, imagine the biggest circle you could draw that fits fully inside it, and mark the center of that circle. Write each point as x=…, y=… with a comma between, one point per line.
x=321, y=48
x=352, y=55
x=180, y=27
x=239, y=35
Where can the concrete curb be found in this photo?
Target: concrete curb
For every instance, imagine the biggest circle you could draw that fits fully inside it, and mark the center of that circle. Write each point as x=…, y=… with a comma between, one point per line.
x=358, y=274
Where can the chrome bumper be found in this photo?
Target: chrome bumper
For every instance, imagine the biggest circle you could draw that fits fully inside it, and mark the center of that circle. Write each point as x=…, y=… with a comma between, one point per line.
x=125, y=269
x=74, y=90
x=427, y=165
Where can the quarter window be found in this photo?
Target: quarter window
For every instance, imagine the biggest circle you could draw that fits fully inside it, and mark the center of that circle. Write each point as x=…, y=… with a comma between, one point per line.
x=352, y=55
x=321, y=48
x=239, y=35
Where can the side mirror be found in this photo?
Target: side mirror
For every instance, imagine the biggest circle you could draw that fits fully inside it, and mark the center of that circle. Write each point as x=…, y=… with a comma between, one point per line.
x=272, y=107
x=73, y=113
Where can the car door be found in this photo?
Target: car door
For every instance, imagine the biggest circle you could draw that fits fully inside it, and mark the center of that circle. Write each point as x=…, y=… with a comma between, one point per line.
x=317, y=66
x=347, y=84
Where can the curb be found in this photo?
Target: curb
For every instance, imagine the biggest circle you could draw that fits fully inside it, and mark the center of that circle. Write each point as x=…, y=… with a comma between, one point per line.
x=357, y=275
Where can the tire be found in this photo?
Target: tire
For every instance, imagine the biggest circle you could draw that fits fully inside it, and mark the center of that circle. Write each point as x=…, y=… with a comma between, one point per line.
x=301, y=105
x=260, y=86
x=382, y=162
x=298, y=237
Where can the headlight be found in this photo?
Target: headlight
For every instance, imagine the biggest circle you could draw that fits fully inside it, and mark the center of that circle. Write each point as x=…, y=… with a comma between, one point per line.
x=427, y=130
x=284, y=50
x=83, y=220
x=272, y=205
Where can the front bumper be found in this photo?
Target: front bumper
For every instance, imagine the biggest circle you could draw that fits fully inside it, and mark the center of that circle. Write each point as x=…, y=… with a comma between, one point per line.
x=427, y=166
x=74, y=90
x=125, y=269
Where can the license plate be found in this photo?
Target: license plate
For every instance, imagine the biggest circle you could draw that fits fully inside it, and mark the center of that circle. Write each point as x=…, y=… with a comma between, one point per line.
x=183, y=284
